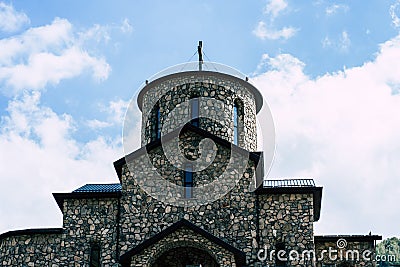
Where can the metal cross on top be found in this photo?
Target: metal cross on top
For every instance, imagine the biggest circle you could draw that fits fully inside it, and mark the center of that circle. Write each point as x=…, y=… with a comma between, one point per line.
x=200, y=52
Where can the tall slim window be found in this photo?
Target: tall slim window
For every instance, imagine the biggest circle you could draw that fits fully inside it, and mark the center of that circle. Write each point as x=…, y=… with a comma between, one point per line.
x=238, y=115
x=188, y=181
x=156, y=123
x=235, y=124
x=194, y=111
x=95, y=256
x=158, y=119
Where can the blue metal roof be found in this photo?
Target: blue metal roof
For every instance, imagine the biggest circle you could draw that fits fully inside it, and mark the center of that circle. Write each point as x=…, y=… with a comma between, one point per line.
x=99, y=188
x=289, y=183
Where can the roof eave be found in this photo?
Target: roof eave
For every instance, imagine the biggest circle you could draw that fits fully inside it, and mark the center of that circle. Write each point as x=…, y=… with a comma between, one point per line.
x=255, y=156
x=252, y=89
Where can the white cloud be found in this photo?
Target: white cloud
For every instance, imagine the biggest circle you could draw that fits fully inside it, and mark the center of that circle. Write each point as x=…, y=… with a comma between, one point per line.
x=345, y=41
x=126, y=26
x=46, y=55
x=342, y=128
x=48, y=68
x=335, y=8
x=342, y=43
x=10, y=19
x=268, y=31
x=326, y=42
x=115, y=111
x=97, y=124
x=97, y=33
x=102, y=33
x=274, y=7
x=263, y=31
x=39, y=152
x=283, y=64
x=54, y=36
x=40, y=156
x=394, y=11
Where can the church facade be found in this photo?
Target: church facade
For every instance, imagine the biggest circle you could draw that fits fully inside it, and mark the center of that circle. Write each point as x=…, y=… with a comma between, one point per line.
x=192, y=195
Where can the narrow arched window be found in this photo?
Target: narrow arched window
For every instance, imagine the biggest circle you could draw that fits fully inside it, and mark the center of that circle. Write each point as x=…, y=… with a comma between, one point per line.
x=194, y=111
x=237, y=119
x=155, y=123
x=188, y=181
x=158, y=123
x=235, y=124
x=95, y=256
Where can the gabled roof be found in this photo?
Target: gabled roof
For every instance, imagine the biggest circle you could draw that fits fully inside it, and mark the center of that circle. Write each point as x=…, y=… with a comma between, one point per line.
x=240, y=256
x=255, y=156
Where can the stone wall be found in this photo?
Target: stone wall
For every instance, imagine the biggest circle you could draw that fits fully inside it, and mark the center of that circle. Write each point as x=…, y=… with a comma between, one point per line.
x=228, y=218
x=88, y=222
x=169, y=93
x=31, y=250
x=287, y=219
x=217, y=169
x=231, y=218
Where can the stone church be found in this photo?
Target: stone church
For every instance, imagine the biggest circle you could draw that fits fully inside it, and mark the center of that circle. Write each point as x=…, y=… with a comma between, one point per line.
x=192, y=195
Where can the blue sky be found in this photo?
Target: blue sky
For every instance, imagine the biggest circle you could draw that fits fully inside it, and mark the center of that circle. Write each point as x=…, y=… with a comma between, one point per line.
x=330, y=71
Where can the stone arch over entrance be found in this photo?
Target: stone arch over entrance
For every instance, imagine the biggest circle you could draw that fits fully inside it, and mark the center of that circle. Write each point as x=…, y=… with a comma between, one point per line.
x=183, y=240
x=182, y=256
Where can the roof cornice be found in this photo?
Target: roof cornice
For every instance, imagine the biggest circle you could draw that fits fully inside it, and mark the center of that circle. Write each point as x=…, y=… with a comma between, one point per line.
x=118, y=164
x=252, y=89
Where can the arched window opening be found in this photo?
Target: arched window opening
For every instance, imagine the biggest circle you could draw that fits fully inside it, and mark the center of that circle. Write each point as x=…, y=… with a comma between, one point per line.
x=95, y=256
x=237, y=119
x=158, y=122
x=235, y=125
x=194, y=111
x=188, y=181
x=155, y=123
